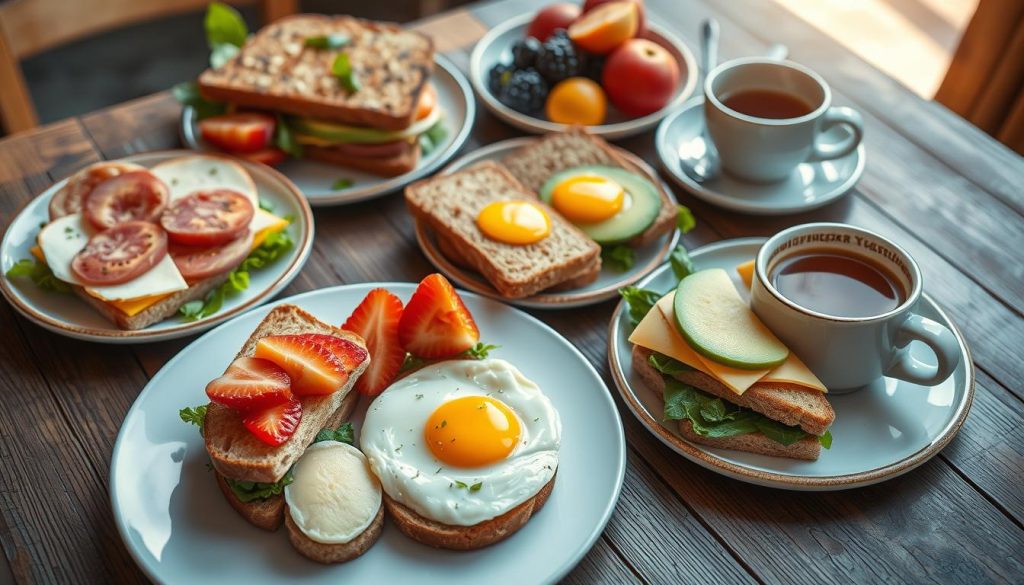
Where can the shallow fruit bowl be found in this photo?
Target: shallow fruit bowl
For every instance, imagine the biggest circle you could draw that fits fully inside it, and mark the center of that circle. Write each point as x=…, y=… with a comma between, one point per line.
x=496, y=46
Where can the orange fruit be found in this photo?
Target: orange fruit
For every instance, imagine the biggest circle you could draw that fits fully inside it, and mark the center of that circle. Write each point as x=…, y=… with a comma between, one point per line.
x=606, y=27
x=577, y=100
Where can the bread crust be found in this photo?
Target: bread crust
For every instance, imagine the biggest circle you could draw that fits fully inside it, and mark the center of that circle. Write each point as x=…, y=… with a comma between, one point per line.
x=807, y=448
x=473, y=537
x=163, y=309
x=385, y=167
x=334, y=553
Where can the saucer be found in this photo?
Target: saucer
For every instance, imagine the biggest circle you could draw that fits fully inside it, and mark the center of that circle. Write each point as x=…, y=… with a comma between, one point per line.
x=809, y=186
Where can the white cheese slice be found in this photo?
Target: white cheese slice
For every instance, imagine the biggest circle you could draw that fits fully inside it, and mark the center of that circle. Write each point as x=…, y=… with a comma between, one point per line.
x=188, y=174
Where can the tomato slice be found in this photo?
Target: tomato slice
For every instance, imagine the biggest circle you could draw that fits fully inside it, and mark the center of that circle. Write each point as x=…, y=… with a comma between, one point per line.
x=241, y=132
x=121, y=253
x=196, y=262
x=207, y=218
x=268, y=156
x=134, y=196
x=71, y=197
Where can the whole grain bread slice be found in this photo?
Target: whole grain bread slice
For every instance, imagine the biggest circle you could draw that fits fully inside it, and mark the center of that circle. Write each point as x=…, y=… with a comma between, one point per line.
x=534, y=164
x=438, y=535
x=268, y=513
x=334, y=553
x=449, y=204
x=275, y=71
x=393, y=166
x=163, y=309
x=239, y=455
x=806, y=448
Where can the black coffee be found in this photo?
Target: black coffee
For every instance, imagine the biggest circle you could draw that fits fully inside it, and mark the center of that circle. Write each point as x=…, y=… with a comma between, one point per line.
x=838, y=285
x=767, y=103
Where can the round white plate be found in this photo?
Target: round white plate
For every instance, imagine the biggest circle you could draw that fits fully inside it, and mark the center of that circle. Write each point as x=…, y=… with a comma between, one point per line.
x=316, y=179
x=496, y=47
x=180, y=529
x=608, y=282
x=811, y=185
x=70, y=316
x=880, y=432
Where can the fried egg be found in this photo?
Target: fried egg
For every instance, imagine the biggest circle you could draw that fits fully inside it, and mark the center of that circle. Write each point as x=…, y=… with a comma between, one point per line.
x=588, y=198
x=514, y=222
x=462, y=442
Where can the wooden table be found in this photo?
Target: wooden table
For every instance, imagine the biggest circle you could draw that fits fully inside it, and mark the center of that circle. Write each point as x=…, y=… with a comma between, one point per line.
x=944, y=190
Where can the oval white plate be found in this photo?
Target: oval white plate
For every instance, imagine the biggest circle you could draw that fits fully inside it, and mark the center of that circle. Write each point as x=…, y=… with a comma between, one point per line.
x=69, y=315
x=180, y=529
x=607, y=284
x=316, y=179
x=880, y=432
x=810, y=186
x=496, y=46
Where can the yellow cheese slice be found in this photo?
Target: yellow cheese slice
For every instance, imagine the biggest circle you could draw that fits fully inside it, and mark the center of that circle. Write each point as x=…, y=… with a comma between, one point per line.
x=746, y=272
x=794, y=371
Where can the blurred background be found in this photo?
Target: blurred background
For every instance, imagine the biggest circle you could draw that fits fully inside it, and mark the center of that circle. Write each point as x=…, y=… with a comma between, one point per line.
x=967, y=54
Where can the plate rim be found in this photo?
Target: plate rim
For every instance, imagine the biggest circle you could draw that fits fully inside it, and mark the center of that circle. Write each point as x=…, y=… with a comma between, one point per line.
x=560, y=572
x=147, y=335
x=699, y=455
x=615, y=131
x=742, y=206
x=542, y=300
x=345, y=197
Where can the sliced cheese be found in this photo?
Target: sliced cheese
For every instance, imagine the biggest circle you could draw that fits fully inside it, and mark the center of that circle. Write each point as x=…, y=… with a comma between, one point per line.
x=188, y=174
x=746, y=272
x=794, y=371
x=263, y=224
x=132, y=307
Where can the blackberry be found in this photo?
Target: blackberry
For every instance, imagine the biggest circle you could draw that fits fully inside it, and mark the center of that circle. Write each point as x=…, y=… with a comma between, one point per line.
x=560, y=59
x=524, y=92
x=524, y=52
x=498, y=76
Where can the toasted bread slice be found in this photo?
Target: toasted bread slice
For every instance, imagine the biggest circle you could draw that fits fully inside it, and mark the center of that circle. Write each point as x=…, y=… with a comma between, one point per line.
x=269, y=513
x=449, y=204
x=785, y=403
x=534, y=164
x=334, y=553
x=275, y=71
x=586, y=276
x=234, y=451
x=486, y=533
x=384, y=167
x=163, y=309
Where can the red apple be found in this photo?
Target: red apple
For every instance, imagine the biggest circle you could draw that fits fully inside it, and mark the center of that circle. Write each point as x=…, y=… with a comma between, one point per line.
x=640, y=77
x=589, y=5
x=551, y=18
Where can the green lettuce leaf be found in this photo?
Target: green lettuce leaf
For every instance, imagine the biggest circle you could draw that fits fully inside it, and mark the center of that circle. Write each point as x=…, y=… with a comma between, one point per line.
x=224, y=26
x=195, y=416
x=685, y=220
x=433, y=137
x=480, y=351
x=187, y=93
x=682, y=266
x=342, y=69
x=618, y=257
x=40, y=275
x=342, y=434
x=284, y=138
x=640, y=301
x=248, y=491
x=667, y=365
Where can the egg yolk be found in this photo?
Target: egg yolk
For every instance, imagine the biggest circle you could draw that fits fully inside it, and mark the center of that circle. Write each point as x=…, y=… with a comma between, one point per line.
x=514, y=222
x=472, y=431
x=588, y=198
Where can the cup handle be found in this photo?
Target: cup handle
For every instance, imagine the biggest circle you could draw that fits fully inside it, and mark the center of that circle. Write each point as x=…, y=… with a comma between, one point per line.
x=833, y=117
x=941, y=341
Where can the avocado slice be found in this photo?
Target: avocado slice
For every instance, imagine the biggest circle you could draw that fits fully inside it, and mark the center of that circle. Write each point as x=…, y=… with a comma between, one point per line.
x=334, y=132
x=640, y=209
x=717, y=323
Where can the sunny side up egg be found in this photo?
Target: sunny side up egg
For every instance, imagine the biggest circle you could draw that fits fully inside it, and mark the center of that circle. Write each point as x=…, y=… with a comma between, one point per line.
x=514, y=222
x=588, y=198
x=462, y=442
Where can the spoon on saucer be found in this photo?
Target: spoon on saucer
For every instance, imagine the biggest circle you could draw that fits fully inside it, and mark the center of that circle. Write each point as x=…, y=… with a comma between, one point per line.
x=698, y=157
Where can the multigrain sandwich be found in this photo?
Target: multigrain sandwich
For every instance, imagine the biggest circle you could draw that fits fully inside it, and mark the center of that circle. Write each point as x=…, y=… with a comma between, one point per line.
x=726, y=380
x=338, y=89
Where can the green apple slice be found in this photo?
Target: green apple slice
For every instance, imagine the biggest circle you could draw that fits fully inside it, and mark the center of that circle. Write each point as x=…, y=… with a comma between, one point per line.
x=717, y=323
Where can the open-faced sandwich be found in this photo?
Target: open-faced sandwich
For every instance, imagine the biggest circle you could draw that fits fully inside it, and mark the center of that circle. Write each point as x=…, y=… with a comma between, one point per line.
x=545, y=216
x=725, y=378
x=141, y=244
x=338, y=89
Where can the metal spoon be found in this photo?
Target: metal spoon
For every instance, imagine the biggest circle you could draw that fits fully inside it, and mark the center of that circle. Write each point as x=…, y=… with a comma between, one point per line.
x=698, y=156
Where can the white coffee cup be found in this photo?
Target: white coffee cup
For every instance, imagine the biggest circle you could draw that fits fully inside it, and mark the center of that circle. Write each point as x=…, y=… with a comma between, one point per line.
x=768, y=149
x=847, y=353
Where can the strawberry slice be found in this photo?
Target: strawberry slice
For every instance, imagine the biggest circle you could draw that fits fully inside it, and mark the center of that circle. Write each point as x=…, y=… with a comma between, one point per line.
x=276, y=424
x=251, y=384
x=349, y=353
x=435, y=323
x=312, y=366
x=376, y=321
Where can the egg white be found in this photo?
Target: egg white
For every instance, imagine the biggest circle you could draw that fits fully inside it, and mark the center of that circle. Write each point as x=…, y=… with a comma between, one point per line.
x=392, y=439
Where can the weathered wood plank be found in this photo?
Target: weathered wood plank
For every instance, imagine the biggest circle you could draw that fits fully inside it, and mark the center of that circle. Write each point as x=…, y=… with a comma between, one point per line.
x=144, y=124
x=601, y=565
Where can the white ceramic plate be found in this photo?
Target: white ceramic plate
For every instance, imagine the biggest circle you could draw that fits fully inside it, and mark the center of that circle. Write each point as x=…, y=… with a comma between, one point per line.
x=608, y=282
x=316, y=179
x=880, y=432
x=809, y=186
x=496, y=47
x=180, y=529
x=69, y=315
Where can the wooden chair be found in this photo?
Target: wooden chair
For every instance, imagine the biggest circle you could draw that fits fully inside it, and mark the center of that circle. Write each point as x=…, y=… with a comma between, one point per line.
x=985, y=81
x=28, y=27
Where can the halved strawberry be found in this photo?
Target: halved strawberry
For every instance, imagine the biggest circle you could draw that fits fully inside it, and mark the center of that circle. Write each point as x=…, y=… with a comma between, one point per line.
x=376, y=320
x=251, y=384
x=350, y=354
x=435, y=322
x=312, y=366
x=276, y=424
